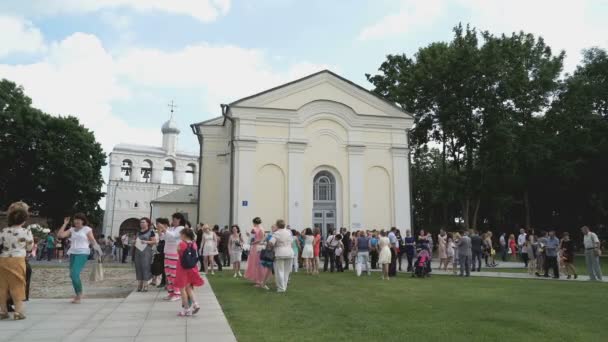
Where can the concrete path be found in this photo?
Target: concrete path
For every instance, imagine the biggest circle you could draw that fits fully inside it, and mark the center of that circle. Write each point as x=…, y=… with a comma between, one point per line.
x=139, y=317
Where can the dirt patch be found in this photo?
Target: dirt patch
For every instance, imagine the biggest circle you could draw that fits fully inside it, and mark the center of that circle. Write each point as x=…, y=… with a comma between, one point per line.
x=54, y=282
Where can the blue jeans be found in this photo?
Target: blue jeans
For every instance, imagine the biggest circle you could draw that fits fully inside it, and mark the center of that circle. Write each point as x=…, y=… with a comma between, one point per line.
x=77, y=263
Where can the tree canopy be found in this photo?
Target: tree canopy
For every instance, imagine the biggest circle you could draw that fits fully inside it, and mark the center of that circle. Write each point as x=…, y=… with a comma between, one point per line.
x=501, y=137
x=52, y=163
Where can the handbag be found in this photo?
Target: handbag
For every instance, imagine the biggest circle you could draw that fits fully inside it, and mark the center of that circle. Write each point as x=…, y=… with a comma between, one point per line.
x=267, y=255
x=97, y=271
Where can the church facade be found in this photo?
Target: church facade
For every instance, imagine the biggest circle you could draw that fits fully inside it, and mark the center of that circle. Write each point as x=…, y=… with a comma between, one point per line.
x=317, y=152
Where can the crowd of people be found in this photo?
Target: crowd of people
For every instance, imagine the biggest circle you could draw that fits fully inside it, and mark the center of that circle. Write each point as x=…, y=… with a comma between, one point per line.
x=171, y=254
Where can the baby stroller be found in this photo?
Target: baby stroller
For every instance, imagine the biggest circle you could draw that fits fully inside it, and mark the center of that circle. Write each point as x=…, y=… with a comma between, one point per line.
x=422, y=266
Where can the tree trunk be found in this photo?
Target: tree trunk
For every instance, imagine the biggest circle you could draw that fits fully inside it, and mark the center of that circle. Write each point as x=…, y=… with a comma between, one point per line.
x=476, y=212
x=527, y=209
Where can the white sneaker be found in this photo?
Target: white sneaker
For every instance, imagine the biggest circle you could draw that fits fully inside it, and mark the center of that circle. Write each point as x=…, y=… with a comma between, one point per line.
x=235, y=275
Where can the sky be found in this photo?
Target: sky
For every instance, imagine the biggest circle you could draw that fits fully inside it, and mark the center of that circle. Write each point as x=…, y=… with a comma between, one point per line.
x=117, y=64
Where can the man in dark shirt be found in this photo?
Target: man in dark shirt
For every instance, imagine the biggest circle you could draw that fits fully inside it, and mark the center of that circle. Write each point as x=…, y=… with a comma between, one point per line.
x=476, y=243
x=346, y=243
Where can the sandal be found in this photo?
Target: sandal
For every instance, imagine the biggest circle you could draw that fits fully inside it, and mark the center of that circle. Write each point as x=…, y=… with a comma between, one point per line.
x=195, y=308
x=145, y=289
x=18, y=316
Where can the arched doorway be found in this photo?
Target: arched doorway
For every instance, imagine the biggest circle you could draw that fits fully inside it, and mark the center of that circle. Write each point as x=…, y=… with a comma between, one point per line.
x=129, y=226
x=324, y=202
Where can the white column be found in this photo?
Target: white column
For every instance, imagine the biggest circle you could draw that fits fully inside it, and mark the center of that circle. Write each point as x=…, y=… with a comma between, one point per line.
x=157, y=171
x=296, y=184
x=115, y=164
x=179, y=175
x=356, y=183
x=135, y=174
x=401, y=189
x=244, y=179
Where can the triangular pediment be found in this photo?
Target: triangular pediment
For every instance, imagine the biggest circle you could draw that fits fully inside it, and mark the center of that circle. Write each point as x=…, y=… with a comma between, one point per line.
x=323, y=85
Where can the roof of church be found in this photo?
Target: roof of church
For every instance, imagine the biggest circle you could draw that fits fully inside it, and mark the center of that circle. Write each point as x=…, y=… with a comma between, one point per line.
x=313, y=75
x=150, y=149
x=186, y=194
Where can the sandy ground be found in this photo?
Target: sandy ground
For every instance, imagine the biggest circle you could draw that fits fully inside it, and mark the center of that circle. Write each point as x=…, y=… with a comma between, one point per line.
x=54, y=282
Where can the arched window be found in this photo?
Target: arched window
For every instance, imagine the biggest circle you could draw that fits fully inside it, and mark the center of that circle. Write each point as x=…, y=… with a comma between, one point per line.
x=324, y=187
x=190, y=174
x=168, y=171
x=146, y=171
x=126, y=169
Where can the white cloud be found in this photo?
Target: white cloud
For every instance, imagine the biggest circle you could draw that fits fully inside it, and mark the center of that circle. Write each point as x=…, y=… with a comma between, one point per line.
x=202, y=10
x=565, y=24
x=412, y=15
x=17, y=35
x=221, y=73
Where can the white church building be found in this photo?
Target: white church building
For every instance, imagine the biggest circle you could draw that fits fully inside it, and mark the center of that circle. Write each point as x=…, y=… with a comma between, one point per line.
x=150, y=181
x=318, y=152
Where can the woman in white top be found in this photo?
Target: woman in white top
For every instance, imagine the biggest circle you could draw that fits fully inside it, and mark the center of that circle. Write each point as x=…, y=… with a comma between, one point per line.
x=308, y=251
x=81, y=237
x=283, y=255
x=16, y=241
x=384, y=258
x=235, y=248
x=208, y=248
x=171, y=236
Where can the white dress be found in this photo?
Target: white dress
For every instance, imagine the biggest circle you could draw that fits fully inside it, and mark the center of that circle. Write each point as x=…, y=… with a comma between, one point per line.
x=209, y=244
x=385, y=251
x=308, y=252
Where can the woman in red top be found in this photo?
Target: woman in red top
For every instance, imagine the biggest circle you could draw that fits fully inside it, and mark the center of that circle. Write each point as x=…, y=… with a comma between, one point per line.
x=513, y=247
x=317, y=251
x=186, y=279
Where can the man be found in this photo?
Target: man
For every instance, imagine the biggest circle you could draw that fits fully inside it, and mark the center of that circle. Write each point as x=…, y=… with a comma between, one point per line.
x=224, y=242
x=125, y=247
x=464, y=254
x=330, y=251
x=392, y=237
x=373, y=252
x=346, y=242
x=220, y=245
x=503, y=246
x=476, y=245
x=551, y=248
x=521, y=241
x=592, y=254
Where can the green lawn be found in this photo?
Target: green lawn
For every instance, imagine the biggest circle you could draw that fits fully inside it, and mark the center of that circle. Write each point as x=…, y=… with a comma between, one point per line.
x=342, y=307
x=579, y=263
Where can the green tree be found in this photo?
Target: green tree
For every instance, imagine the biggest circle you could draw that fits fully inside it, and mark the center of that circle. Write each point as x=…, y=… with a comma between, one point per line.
x=52, y=163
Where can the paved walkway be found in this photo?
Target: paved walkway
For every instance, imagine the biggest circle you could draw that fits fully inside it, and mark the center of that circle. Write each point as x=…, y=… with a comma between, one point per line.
x=139, y=317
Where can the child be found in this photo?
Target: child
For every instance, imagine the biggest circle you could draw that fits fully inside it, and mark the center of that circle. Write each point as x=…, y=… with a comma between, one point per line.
x=186, y=276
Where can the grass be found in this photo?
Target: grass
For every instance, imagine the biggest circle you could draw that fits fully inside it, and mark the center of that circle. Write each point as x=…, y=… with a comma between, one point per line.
x=342, y=307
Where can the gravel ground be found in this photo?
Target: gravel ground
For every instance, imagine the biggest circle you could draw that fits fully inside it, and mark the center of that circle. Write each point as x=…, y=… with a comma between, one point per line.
x=53, y=281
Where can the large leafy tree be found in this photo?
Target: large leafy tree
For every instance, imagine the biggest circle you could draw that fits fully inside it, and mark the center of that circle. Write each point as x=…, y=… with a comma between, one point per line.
x=52, y=163
x=481, y=103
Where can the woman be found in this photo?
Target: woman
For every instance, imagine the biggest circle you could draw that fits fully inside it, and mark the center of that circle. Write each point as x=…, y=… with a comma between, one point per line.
x=567, y=248
x=384, y=259
x=80, y=236
x=16, y=242
x=235, y=248
x=254, y=271
x=529, y=248
x=144, y=243
x=490, y=253
x=512, y=247
x=449, y=252
x=171, y=236
x=295, y=246
x=158, y=261
x=362, y=246
x=316, y=245
x=308, y=251
x=442, y=249
x=281, y=241
x=209, y=249
x=455, y=248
